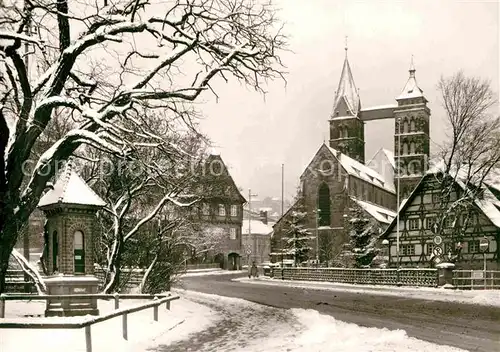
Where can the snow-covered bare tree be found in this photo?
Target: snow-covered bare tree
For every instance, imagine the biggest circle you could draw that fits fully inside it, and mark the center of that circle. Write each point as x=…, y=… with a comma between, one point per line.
x=469, y=158
x=98, y=62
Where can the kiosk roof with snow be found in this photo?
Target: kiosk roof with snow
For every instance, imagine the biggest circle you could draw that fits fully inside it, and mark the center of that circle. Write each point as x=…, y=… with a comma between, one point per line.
x=70, y=189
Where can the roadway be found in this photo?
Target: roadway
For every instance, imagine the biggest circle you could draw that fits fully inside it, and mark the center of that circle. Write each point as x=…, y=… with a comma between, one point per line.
x=466, y=326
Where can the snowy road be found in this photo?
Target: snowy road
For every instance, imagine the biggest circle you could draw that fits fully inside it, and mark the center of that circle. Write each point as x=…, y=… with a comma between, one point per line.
x=470, y=327
x=244, y=326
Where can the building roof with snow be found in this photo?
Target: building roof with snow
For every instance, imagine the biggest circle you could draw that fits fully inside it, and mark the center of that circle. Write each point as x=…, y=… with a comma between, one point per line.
x=70, y=189
x=379, y=213
x=347, y=93
x=488, y=203
x=356, y=169
x=411, y=89
x=256, y=227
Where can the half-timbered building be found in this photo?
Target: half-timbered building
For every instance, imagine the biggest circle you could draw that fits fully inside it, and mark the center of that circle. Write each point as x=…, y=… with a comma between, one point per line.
x=427, y=236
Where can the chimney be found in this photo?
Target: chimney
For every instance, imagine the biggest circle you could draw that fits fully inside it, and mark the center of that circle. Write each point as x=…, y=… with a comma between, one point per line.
x=263, y=216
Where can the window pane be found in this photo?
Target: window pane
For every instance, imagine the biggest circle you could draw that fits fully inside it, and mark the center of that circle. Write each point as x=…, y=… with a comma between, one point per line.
x=78, y=240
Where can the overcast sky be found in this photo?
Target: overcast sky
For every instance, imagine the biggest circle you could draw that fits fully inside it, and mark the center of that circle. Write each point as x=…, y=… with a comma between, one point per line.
x=255, y=135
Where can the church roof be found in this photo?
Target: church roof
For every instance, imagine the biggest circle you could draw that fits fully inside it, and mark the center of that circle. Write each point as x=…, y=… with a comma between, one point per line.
x=380, y=214
x=347, y=90
x=70, y=188
x=356, y=169
x=411, y=89
x=388, y=154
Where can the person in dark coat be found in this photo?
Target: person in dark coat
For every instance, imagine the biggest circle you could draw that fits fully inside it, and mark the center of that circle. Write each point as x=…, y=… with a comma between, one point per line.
x=253, y=271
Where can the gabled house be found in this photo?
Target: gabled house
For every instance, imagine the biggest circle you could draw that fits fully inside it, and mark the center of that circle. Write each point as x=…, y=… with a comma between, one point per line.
x=459, y=232
x=220, y=212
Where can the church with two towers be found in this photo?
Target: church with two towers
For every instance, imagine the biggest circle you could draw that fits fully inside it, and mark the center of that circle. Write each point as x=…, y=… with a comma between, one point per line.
x=339, y=175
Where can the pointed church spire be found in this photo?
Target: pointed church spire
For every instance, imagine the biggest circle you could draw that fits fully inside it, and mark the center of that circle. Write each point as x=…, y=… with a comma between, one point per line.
x=412, y=68
x=411, y=89
x=346, y=93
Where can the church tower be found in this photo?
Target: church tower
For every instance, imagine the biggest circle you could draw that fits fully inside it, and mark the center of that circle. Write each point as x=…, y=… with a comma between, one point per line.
x=411, y=137
x=347, y=131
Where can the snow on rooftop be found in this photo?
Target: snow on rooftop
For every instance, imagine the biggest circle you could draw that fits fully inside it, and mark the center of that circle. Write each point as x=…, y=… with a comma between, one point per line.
x=347, y=90
x=268, y=209
x=355, y=168
x=256, y=227
x=70, y=188
x=489, y=203
x=390, y=156
x=411, y=89
x=380, y=107
x=379, y=213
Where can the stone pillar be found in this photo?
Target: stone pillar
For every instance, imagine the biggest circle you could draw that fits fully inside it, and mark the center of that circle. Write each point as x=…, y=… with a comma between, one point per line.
x=445, y=272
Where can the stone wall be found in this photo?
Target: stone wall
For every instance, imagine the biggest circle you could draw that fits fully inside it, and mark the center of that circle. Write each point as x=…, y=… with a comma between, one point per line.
x=408, y=277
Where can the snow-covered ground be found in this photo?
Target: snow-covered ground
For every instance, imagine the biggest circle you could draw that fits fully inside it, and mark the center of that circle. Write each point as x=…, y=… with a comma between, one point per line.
x=246, y=326
x=482, y=297
x=203, y=322
x=184, y=318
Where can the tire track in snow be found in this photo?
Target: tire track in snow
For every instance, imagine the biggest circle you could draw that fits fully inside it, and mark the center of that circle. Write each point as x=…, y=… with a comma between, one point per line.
x=241, y=325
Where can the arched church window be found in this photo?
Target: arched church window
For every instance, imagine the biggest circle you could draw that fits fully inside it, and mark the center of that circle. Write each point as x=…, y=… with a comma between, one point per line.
x=324, y=205
x=412, y=125
x=409, y=169
x=405, y=126
x=405, y=149
x=412, y=148
x=79, y=252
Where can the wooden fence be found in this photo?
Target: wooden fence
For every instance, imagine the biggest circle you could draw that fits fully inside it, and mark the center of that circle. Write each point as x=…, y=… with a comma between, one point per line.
x=407, y=277
x=86, y=322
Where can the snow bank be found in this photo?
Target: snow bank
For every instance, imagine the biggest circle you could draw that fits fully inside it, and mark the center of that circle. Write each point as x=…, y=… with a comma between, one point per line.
x=184, y=318
x=262, y=328
x=481, y=297
x=325, y=333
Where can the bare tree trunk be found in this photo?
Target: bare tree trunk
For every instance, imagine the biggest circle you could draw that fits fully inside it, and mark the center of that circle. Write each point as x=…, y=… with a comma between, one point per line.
x=147, y=273
x=112, y=277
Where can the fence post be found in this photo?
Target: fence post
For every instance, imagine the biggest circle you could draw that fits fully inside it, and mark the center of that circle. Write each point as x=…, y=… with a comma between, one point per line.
x=155, y=310
x=88, y=339
x=124, y=326
x=471, y=280
x=168, y=302
x=117, y=300
x=2, y=306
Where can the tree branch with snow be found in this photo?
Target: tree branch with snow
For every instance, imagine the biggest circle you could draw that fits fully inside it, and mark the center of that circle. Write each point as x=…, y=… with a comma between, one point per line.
x=97, y=70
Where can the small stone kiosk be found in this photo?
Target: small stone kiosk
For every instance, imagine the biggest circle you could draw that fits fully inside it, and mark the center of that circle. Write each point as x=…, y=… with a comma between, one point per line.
x=70, y=207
